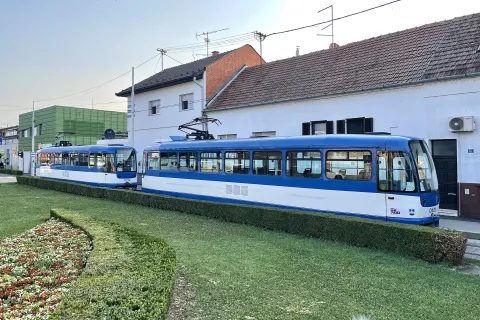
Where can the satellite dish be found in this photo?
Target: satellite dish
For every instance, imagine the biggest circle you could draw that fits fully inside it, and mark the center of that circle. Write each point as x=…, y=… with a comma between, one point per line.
x=456, y=124
x=109, y=134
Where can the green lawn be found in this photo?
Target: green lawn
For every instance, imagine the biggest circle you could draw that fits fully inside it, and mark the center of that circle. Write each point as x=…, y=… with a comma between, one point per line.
x=242, y=272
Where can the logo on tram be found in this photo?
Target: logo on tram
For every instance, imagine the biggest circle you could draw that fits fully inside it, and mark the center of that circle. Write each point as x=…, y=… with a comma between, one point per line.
x=394, y=211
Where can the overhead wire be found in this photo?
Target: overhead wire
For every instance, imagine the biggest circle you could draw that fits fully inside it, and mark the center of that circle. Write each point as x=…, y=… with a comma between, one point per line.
x=173, y=58
x=100, y=85
x=343, y=17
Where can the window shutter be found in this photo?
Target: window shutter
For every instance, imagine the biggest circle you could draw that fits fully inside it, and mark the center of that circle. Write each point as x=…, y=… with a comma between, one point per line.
x=329, y=127
x=368, y=125
x=340, y=126
x=306, y=128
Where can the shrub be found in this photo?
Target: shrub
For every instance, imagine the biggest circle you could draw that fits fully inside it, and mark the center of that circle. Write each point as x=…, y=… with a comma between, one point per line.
x=128, y=275
x=12, y=172
x=430, y=244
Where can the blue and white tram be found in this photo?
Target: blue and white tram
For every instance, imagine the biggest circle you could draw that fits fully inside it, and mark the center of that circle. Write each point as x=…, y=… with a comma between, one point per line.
x=102, y=166
x=380, y=177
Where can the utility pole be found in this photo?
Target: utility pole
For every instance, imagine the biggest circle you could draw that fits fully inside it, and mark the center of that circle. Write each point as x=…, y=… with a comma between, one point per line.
x=207, y=40
x=330, y=25
x=260, y=37
x=32, y=154
x=133, y=107
x=162, y=52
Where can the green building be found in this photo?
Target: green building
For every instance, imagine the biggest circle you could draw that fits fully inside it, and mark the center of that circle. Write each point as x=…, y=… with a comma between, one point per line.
x=79, y=126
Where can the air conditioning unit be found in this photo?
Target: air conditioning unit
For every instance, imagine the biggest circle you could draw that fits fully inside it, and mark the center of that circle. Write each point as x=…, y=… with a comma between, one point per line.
x=461, y=124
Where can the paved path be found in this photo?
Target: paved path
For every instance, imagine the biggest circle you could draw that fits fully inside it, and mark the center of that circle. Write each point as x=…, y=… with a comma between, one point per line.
x=473, y=249
x=471, y=229
x=4, y=178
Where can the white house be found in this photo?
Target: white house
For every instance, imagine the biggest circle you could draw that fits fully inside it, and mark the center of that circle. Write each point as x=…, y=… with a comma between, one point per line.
x=177, y=95
x=9, y=147
x=412, y=82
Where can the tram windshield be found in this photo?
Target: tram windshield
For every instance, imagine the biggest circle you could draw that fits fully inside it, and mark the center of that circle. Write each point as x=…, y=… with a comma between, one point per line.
x=425, y=167
x=126, y=160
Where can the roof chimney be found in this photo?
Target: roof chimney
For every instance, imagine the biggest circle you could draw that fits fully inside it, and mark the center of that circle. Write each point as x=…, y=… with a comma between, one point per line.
x=333, y=46
x=298, y=51
x=214, y=53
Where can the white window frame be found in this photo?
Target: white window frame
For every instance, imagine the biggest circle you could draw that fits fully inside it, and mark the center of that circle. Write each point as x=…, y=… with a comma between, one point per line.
x=190, y=101
x=262, y=134
x=157, y=104
x=227, y=136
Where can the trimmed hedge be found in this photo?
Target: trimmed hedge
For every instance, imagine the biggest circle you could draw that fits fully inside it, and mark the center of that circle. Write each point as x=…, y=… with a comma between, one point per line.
x=430, y=244
x=12, y=172
x=128, y=275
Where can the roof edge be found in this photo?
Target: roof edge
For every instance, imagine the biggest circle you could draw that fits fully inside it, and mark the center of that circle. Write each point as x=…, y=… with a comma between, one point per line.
x=390, y=86
x=226, y=84
x=127, y=92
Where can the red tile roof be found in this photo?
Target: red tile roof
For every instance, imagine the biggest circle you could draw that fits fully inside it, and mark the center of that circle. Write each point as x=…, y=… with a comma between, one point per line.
x=435, y=50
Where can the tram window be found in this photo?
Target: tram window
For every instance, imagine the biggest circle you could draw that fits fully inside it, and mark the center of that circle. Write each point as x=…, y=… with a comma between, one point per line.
x=43, y=158
x=210, y=161
x=83, y=159
x=237, y=162
x=109, y=163
x=65, y=159
x=73, y=159
x=304, y=164
x=349, y=165
x=267, y=163
x=95, y=160
x=153, y=160
x=168, y=161
x=188, y=161
x=126, y=160
x=58, y=158
x=395, y=172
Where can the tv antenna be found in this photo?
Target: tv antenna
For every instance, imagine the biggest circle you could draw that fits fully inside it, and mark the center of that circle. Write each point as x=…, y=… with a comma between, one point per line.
x=330, y=25
x=206, y=39
x=162, y=53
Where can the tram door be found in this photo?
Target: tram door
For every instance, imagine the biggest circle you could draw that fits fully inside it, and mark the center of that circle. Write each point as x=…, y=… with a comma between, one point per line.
x=109, y=167
x=395, y=176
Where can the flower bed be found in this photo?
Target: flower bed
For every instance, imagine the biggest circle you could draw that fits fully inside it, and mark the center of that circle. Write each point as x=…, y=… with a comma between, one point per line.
x=38, y=266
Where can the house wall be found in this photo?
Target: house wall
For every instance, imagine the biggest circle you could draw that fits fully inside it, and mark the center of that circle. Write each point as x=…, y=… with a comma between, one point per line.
x=148, y=127
x=422, y=111
x=221, y=70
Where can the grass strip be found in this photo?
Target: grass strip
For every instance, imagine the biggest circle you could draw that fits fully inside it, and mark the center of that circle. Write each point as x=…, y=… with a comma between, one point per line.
x=128, y=275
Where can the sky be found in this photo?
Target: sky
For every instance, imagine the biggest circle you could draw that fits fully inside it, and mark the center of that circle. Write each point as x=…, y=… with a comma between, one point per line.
x=56, y=48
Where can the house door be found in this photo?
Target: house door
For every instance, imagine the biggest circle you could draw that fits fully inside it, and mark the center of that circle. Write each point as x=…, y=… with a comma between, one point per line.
x=445, y=159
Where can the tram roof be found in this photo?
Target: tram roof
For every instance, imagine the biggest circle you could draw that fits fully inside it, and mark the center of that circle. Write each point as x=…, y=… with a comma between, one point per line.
x=92, y=148
x=316, y=141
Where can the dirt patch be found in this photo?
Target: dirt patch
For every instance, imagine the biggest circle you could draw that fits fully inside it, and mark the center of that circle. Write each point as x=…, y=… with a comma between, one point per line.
x=183, y=297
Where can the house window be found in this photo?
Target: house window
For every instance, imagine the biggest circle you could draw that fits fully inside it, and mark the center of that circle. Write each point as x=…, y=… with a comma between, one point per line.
x=359, y=125
x=349, y=165
x=227, y=136
x=267, y=163
x=186, y=102
x=317, y=128
x=154, y=107
x=26, y=133
x=37, y=131
x=263, y=134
